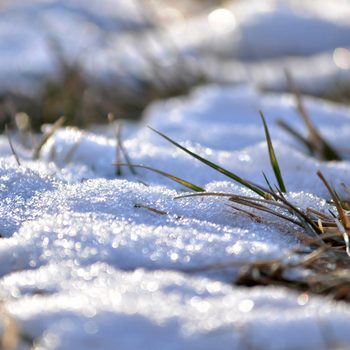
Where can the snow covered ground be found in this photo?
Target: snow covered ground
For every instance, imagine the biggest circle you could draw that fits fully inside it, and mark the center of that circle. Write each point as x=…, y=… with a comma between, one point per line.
x=89, y=260
x=85, y=265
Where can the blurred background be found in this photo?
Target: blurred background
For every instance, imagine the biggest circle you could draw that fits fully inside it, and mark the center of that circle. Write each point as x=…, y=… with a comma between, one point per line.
x=85, y=59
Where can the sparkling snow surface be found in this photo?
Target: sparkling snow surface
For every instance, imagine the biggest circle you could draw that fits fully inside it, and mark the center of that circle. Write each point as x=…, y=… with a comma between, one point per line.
x=83, y=268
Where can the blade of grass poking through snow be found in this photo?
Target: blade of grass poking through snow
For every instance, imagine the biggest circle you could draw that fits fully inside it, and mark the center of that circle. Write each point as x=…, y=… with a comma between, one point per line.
x=342, y=215
x=57, y=124
x=251, y=215
x=117, y=131
x=286, y=127
x=182, y=182
x=216, y=167
x=11, y=145
x=273, y=158
x=319, y=145
x=120, y=149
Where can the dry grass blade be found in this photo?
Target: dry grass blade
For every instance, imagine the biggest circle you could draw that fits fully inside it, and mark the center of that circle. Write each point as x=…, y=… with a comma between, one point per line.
x=320, y=226
x=125, y=153
x=265, y=209
x=345, y=202
x=153, y=210
x=318, y=214
x=185, y=183
x=11, y=145
x=295, y=134
x=345, y=235
x=319, y=145
x=345, y=188
x=343, y=217
x=310, y=258
x=273, y=158
x=58, y=124
x=120, y=149
x=216, y=167
x=251, y=215
x=249, y=202
x=118, y=153
x=235, y=196
x=68, y=157
x=313, y=134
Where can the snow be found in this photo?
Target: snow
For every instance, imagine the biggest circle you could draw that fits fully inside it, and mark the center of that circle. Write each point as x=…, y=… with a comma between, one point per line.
x=164, y=310
x=83, y=267
x=30, y=32
x=105, y=37
x=254, y=36
x=89, y=260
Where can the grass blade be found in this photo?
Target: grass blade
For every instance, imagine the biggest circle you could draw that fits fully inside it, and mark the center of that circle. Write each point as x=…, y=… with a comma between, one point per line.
x=249, y=202
x=286, y=127
x=215, y=166
x=153, y=210
x=319, y=145
x=272, y=155
x=120, y=149
x=248, y=213
x=118, y=152
x=271, y=191
x=265, y=209
x=11, y=145
x=342, y=214
x=342, y=230
x=55, y=126
x=182, y=182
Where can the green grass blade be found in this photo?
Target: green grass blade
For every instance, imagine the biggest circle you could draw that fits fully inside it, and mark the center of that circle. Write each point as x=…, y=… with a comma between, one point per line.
x=268, y=182
x=273, y=159
x=215, y=167
x=182, y=182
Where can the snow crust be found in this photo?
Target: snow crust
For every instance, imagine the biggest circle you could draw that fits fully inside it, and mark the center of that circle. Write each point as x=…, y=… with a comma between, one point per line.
x=86, y=263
